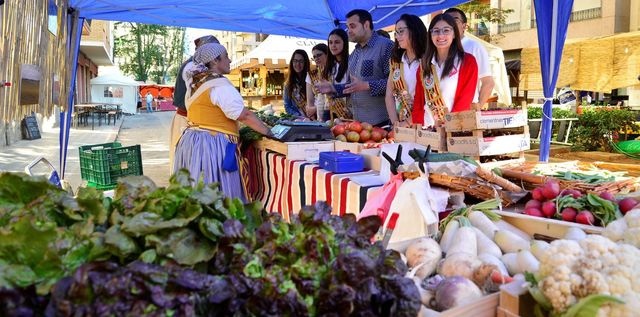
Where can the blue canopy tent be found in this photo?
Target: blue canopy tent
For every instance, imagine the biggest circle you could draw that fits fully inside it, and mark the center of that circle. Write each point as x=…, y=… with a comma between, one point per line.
x=552, y=18
x=310, y=19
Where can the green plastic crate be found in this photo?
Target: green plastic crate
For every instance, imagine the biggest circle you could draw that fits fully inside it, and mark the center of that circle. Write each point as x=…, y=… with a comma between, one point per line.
x=103, y=164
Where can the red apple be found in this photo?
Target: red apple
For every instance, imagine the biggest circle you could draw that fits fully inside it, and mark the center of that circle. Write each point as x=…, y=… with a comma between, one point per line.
x=585, y=217
x=338, y=130
x=365, y=136
x=376, y=136
x=551, y=190
x=355, y=126
x=353, y=136
x=536, y=193
x=367, y=126
x=371, y=142
x=342, y=138
x=569, y=214
x=549, y=209
x=627, y=204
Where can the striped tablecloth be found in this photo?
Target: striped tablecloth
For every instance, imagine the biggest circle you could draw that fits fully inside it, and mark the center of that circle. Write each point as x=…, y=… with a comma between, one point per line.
x=285, y=186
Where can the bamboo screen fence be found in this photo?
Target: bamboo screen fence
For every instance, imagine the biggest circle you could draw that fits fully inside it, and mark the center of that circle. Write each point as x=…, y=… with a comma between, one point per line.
x=26, y=40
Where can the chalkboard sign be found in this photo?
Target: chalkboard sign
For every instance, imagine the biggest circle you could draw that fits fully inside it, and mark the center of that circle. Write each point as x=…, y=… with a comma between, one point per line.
x=30, y=129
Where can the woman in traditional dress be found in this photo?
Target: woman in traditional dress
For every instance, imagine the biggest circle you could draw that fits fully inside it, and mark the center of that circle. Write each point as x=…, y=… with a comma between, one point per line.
x=316, y=100
x=450, y=75
x=295, y=90
x=404, y=71
x=208, y=148
x=336, y=71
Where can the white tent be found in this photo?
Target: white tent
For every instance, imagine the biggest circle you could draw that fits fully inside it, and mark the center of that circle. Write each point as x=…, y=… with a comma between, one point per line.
x=275, y=51
x=115, y=88
x=498, y=69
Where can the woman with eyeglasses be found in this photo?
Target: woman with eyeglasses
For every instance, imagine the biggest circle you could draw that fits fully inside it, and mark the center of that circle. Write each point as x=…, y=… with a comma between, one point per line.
x=405, y=71
x=449, y=74
x=316, y=100
x=335, y=71
x=295, y=90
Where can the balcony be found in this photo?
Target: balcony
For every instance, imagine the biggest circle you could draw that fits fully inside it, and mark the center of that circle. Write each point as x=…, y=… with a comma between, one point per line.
x=582, y=15
x=97, y=44
x=510, y=27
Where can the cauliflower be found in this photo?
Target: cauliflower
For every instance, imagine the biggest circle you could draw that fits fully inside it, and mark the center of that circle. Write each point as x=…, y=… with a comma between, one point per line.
x=625, y=229
x=633, y=218
x=571, y=271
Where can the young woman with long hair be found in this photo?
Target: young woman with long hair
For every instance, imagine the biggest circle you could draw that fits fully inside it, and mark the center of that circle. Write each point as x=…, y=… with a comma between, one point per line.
x=316, y=101
x=335, y=70
x=295, y=91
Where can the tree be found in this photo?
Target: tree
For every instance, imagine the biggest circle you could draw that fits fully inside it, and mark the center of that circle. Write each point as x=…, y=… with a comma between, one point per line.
x=149, y=51
x=484, y=13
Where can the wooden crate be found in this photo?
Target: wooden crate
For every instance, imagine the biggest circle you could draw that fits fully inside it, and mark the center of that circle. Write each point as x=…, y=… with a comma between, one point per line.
x=485, y=119
x=478, y=145
x=405, y=134
x=515, y=300
x=371, y=155
x=486, y=306
x=437, y=139
x=297, y=150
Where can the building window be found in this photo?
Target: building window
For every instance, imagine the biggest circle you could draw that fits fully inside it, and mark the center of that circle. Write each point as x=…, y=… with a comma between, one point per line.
x=112, y=92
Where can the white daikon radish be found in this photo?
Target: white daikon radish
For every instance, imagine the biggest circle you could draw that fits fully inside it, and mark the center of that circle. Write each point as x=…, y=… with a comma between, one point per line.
x=575, y=234
x=424, y=252
x=465, y=239
x=481, y=221
x=527, y=262
x=510, y=242
x=503, y=225
x=538, y=247
x=447, y=236
x=510, y=260
x=487, y=258
x=486, y=245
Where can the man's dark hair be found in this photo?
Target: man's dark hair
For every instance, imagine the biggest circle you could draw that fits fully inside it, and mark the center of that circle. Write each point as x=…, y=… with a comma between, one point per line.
x=363, y=15
x=384, y=33
x=464, y=16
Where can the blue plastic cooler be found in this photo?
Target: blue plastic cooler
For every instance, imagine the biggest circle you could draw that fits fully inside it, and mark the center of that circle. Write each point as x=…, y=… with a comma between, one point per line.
x=341, y=162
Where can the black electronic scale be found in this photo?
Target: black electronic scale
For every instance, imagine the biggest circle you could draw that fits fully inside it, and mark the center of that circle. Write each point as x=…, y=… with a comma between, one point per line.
x=290, y=131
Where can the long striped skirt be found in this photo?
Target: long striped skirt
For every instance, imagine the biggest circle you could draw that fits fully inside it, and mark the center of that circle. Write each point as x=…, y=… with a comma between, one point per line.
x=202, y=154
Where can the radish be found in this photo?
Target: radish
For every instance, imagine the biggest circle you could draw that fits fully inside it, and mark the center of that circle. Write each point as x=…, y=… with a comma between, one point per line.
x=551, y=190
x=538, y=247
x=627, y=204
x=503, y=225
x=533, y=212
x=509, y=242
x=483, y=223
x=575, y=193
x=449, y=233
x=510, y=260
x=533, y=204
x=549, y=209
x=527, y=262
x=464, y=242
x=537, y=194
x=608, y=196
x=569, y=214
x=574, y=233
x=585, y=217
x=491, y=259
x=486, y=245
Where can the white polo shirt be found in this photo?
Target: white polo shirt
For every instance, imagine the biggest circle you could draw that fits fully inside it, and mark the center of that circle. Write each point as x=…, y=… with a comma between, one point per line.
x=478, y=51
x=409, y=70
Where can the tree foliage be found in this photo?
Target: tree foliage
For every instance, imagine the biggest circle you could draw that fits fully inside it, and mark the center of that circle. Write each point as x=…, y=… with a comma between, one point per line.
x=483, y=13
x=148, y=51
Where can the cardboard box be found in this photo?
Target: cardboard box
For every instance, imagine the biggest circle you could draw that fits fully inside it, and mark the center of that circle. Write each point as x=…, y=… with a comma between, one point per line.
x=371, y=155
x=483, y=146
x=405, y=134
x=437, y=139
x=295, y=151
x=483, y=120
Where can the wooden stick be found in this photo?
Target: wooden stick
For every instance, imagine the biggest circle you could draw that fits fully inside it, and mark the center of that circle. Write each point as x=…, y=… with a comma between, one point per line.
x=492, y=177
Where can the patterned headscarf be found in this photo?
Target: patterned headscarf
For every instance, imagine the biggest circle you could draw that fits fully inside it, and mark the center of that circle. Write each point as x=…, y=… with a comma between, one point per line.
x=198, y=70
x=205, y=39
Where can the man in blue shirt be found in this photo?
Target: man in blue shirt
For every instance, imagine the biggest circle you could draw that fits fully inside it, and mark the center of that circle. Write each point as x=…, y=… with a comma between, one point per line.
x=368, y=70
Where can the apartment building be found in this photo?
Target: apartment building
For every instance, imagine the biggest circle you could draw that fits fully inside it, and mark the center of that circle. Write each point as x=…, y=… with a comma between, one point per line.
x=589, y=19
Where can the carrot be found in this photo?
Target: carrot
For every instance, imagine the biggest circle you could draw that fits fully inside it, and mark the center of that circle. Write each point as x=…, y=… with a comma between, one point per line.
x=499, y=278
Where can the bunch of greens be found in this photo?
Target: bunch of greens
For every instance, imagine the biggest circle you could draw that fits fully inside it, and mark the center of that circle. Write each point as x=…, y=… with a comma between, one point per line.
x=180, y=223
x=605, y=211
x=317, y=264
x=45, y=233
x=138, y=289
x=271, y=119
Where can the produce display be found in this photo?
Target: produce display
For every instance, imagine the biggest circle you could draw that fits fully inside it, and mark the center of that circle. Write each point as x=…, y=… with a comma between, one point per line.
x=187, y=250
x=359, y=132
x=574, y=206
